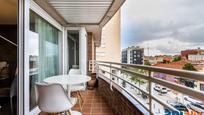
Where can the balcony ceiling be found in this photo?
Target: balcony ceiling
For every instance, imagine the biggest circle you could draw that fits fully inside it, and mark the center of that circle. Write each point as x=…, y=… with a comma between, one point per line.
x=92, y=14
x=82, y=11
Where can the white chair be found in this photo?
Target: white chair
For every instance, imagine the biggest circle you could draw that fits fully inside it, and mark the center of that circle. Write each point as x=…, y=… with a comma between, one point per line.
x=75, y=66
x=75, y=71
x=77, y=88
x=51, y=98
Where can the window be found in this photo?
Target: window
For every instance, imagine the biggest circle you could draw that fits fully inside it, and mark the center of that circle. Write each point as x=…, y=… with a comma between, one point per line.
x=202, y=87
x=43, y=52
x=114, y=71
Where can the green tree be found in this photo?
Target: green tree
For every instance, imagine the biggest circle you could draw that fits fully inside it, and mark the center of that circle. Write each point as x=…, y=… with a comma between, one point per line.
x=147, y=63
x=177, y=59
x=189, y=67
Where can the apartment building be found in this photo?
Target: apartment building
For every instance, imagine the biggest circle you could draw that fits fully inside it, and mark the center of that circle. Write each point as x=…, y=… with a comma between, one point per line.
x=133, y=55
x=187, y=52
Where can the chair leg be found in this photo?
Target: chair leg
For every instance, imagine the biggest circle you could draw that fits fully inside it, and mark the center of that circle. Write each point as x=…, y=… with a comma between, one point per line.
x=69, y=112
x=81, y=97
x=79, y=101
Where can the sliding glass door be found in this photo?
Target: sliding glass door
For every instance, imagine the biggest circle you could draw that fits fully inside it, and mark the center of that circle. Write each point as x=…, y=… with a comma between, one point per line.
x=43, y=52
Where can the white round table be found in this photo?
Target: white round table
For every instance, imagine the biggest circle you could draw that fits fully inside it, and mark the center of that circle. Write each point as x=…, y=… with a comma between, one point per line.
x=68, y=80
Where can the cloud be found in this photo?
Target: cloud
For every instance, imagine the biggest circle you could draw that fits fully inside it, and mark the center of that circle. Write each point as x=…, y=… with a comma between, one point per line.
x=168, y=20
x=167, y=46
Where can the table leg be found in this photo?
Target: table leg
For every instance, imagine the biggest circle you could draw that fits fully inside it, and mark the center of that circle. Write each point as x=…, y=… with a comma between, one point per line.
x=69, y=91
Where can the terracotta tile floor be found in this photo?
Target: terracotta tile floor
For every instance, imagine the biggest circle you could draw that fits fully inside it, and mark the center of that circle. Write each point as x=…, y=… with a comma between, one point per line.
x=93, y=104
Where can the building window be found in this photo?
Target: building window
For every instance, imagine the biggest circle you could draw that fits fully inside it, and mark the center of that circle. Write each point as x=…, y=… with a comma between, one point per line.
x=114, y=72
x=202, y=87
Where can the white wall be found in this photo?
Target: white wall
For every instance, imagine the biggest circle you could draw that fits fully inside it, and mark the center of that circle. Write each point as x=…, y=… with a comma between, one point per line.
x=196, y=57
x=83, y=50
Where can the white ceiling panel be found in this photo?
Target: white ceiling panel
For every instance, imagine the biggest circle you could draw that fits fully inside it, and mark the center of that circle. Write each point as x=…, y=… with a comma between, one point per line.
x=82, y=11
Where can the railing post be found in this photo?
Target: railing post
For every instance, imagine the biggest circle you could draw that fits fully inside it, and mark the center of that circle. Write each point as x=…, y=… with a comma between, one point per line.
x=97, y=69
x=111, y=84
x=150, y=93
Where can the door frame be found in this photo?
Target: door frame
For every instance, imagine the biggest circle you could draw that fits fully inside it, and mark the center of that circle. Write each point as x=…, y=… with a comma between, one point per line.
x=25, y=6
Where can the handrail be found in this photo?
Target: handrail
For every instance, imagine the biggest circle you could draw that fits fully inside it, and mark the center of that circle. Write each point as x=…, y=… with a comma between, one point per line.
x=182, y=73
x=150, y=79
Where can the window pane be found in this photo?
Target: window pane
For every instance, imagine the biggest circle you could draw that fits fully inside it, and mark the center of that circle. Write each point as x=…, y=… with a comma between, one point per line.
x=43, y=52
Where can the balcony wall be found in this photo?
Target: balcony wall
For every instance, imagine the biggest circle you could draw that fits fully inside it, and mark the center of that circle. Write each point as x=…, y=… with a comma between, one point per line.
x=119, y=104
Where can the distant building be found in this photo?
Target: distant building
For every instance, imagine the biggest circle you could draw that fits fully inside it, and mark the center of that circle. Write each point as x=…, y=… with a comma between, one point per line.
x=198, y=57
x=158, y=59
x=133, y=55
x=195, y=56
x=186, y=53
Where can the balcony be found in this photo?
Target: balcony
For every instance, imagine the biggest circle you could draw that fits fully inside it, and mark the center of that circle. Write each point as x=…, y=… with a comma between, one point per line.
x=125, y=96
x=118, y=95
x=123, y=89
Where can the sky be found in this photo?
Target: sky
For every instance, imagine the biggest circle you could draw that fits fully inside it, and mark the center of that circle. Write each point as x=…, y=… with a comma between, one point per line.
x=163, y=26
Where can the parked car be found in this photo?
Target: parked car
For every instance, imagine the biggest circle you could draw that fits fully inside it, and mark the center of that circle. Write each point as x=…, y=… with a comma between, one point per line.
x=160, y=89
x=198, y=107
x=180, y=107
x=163, y=90
x=157, y=88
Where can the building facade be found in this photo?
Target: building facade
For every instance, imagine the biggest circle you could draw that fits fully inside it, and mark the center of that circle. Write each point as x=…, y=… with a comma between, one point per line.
x=133, y=55
x=110, y=35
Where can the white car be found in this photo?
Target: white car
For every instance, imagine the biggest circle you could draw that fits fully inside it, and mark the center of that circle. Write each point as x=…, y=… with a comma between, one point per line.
x=157, y=88
x=198, y=107
x=160, y=89
x=163, y=90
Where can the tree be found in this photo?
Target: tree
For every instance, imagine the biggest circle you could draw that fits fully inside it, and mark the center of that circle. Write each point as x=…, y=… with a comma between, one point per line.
x=177, y=59
x=189, y=67
x=147, y=63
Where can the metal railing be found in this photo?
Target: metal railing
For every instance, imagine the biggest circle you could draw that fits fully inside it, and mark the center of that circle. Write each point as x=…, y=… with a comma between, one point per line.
x=104, y=70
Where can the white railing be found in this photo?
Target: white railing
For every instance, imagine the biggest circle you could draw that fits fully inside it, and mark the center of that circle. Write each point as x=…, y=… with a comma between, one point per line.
x=104, y=70
x=92, y=66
